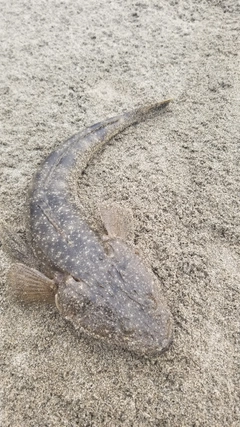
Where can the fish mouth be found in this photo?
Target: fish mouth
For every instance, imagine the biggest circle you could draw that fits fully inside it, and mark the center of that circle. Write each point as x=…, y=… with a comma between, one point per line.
x=150, y=345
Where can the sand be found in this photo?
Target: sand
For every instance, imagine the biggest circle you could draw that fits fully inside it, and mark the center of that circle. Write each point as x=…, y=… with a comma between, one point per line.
x=68, y=64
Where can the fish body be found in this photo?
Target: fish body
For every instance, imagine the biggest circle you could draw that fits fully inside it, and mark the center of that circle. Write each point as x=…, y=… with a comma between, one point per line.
x=101, y=286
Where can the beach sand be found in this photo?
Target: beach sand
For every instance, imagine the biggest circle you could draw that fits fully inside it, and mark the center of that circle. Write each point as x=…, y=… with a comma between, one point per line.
x=65, y=65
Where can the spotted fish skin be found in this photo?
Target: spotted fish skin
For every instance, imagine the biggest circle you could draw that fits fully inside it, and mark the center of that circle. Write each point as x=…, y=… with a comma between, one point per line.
x=103, y=289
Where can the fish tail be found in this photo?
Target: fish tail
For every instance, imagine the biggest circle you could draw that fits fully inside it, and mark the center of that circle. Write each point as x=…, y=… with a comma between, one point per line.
x=108, y=128
x=118, y=123
x=139, y=114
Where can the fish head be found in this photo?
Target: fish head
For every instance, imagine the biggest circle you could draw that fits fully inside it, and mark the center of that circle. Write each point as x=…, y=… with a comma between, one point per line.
x=144, y=322
x=124, y=306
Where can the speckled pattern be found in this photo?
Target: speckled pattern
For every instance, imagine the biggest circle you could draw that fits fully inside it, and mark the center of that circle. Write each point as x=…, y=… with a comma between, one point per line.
x=111, y=295
x=65, y=65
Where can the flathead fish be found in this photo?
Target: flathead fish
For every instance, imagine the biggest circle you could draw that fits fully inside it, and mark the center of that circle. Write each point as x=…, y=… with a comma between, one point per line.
x=99, y=284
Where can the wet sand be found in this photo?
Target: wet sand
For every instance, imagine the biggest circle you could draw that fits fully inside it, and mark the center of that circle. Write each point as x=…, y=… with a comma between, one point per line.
x=66, y=65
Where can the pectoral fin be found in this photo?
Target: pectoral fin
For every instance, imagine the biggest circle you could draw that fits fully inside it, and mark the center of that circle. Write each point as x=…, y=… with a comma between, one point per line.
x=117, y=220
x=29, y=285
